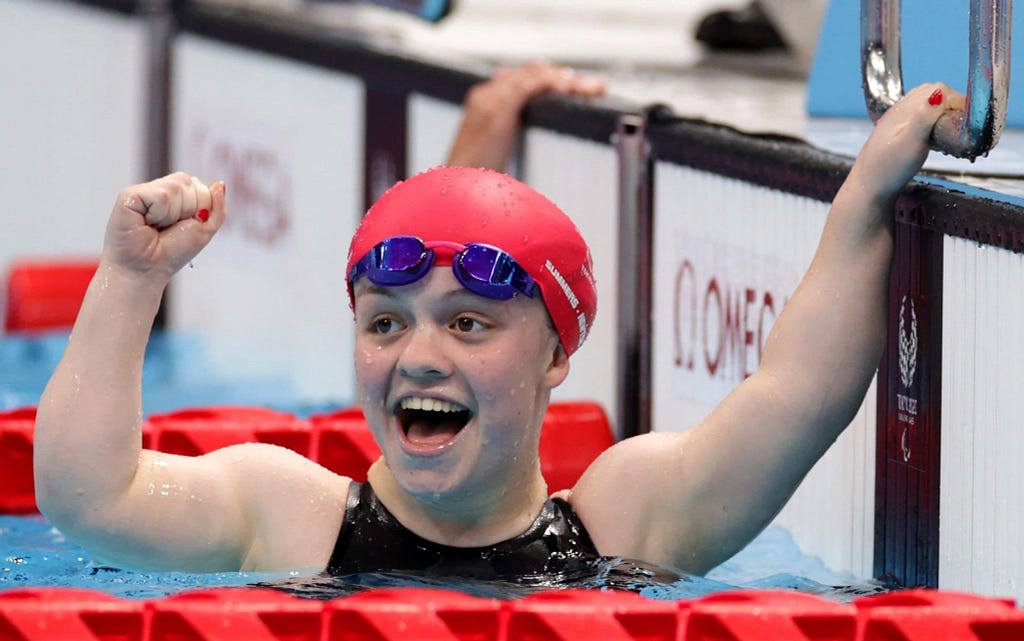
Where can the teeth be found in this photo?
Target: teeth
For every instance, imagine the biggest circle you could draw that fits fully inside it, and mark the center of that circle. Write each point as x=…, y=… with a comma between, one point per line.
x=430, y=405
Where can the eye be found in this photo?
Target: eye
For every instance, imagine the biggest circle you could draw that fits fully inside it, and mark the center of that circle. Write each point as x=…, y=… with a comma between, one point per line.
x=385, y=325
x=467, y=324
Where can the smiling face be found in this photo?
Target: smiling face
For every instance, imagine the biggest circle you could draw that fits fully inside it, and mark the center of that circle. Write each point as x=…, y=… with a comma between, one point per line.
x=454, y=385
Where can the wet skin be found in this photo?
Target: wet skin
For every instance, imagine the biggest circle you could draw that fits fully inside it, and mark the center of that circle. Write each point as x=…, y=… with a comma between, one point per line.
x=494, y=364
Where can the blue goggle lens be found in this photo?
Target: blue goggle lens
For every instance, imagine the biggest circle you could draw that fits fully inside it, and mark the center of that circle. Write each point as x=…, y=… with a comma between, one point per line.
x=482, y=269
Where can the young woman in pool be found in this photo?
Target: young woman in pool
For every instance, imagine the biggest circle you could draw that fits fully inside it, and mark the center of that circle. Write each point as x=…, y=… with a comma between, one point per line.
x=470, y=293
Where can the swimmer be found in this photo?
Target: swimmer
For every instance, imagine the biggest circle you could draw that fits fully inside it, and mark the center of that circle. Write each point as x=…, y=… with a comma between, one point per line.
x=451, y=317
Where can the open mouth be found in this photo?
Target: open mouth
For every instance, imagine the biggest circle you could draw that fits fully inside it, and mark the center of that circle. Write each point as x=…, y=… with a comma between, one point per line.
x=429, y=422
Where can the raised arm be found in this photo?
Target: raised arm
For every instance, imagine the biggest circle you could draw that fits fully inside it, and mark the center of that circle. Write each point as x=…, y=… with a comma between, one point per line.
x=491, y=111
x=127, y=506
x=695, y=498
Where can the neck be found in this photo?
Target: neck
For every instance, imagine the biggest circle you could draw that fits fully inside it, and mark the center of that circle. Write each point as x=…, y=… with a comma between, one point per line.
x=462, y=519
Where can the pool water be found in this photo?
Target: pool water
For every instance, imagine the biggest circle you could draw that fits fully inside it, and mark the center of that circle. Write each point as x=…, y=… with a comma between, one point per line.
x=33, y=553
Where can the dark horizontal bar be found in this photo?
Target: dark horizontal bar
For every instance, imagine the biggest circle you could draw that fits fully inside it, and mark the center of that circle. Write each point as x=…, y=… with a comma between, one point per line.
x=120, y=6
x=795, y=167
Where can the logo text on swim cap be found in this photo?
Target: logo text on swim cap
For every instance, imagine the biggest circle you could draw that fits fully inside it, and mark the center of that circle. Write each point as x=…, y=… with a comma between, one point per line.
x=575, y=302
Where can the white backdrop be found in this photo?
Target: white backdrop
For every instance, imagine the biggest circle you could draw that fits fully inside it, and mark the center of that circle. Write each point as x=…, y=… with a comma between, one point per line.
x=268, y=294
x=71, y=123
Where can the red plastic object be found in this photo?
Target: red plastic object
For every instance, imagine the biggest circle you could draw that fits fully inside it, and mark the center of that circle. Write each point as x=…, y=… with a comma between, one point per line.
x=344, y=443
x=573, y=435
x=59, y=614
x=914, y=615
x=753, y=615
x=570, y=615
x=196, y=431
x=412, y=613
x=235, y=614
x=17, y=487
x=46, y=295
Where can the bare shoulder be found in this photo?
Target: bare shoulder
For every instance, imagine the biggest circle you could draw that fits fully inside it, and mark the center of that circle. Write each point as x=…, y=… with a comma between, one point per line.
x=621, y=493
x=295, y=505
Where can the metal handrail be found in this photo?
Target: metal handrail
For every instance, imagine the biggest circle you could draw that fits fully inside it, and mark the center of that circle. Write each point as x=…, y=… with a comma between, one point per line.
x=965, y=134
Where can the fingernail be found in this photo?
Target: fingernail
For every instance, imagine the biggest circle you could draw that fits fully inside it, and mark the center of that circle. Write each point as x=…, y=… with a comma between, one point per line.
x=203, y=215
x=936, y=98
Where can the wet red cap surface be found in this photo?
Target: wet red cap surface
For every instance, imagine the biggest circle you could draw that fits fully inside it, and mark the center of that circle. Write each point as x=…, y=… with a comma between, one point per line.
x=464, y=205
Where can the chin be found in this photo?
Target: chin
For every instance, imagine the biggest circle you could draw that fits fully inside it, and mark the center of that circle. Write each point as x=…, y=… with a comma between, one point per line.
x=430, y=486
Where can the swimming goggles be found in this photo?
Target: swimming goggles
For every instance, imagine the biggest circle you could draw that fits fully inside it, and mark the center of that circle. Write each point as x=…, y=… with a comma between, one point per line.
x=482, y=269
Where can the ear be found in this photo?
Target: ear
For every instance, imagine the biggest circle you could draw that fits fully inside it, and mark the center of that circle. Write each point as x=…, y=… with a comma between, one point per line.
x=558, y=368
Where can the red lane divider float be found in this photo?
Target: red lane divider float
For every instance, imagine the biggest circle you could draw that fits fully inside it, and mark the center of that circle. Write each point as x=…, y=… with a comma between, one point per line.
x=343, y=443
x=753, y=615
x=255, y=614
x=929, y=615
x=63, y=614
x=196, y=431
x=571, y=615
x=17, y=488
x=235, y=614
x=573, y=435
x=46, y=295
x=395, y=614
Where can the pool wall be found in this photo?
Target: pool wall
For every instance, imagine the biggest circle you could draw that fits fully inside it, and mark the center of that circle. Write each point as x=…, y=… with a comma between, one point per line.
x=944, y=406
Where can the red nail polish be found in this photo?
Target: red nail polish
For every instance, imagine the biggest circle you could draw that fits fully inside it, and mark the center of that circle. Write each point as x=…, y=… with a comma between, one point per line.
x=203, y=215
x=936, y=98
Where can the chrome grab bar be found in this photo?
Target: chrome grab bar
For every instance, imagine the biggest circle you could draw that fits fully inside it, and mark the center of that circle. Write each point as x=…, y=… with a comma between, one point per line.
x=966, y=134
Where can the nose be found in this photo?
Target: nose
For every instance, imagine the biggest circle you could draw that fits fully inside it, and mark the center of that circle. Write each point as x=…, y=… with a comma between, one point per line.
x=423, y=355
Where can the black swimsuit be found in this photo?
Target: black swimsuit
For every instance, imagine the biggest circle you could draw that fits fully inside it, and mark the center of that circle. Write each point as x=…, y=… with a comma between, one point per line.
x=372, y=540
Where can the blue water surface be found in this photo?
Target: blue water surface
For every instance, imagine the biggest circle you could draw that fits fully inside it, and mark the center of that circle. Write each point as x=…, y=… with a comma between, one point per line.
x=35, y=554
x=175, y=375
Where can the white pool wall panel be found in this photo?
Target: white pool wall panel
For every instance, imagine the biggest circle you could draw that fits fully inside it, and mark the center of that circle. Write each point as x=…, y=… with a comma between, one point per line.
x=432, y=126
x=288, y=139
x=71, y=122
x=982, y=475
x=581, y=177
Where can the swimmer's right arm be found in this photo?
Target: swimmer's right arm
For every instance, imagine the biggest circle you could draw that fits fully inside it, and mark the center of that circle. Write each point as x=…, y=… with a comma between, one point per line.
x=127, y=506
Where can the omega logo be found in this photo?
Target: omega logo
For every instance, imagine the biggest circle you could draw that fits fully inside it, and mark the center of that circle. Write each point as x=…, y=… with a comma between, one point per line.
x=259, y=184
x=719, y=327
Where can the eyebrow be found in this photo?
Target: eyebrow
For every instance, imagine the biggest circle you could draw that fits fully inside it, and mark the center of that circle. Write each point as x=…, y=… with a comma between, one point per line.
x=455, y=293
x=376, y=289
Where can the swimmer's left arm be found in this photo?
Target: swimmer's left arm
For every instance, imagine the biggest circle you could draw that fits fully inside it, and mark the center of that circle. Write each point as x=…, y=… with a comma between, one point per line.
x=697, y=497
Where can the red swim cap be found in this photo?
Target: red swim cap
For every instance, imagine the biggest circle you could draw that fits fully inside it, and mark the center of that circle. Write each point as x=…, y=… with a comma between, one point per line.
x=463, y=205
